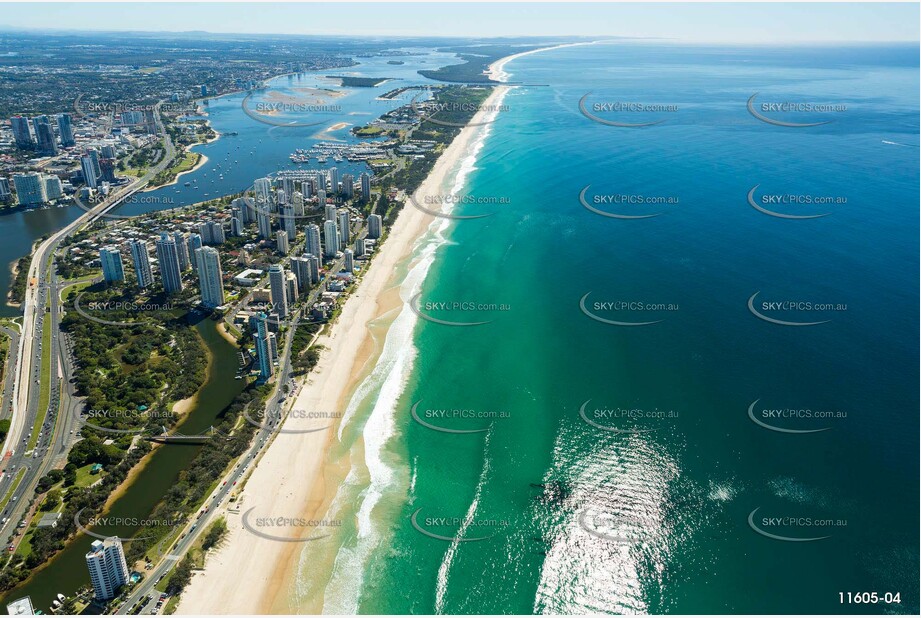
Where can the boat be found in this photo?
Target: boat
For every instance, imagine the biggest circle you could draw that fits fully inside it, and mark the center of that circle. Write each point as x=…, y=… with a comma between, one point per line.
x=61, y=597
x=188, y=184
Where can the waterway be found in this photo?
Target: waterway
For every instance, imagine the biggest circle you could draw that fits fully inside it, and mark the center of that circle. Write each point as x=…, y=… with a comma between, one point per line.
x=67, y=571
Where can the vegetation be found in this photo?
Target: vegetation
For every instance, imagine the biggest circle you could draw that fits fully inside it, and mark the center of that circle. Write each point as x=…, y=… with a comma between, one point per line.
x=129, y=374
x=181, y=576
x=303, y=359
x=216, y=532
x=350, y=81
x=17, y=291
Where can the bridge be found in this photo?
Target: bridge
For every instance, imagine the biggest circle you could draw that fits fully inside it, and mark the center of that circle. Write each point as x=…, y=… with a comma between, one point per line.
x=178, y=438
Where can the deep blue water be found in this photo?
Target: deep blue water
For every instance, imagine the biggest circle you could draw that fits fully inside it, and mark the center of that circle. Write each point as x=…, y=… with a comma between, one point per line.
x=681, y=492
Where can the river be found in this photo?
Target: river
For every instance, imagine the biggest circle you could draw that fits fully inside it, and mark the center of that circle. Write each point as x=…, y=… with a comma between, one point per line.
x=67, y=571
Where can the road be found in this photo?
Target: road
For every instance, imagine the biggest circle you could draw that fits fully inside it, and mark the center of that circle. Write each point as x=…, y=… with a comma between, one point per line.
x=26, y=389
x=272, y=423
x=6, y=404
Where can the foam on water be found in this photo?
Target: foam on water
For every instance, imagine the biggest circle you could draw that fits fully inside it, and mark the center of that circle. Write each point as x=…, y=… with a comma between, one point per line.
x=384, y=386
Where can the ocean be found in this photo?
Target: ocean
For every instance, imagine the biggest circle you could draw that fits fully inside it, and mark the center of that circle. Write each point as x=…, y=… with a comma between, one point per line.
x=708, y=407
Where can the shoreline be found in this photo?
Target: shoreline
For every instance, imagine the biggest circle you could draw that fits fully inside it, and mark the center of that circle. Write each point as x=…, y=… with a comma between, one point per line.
x=296, y=477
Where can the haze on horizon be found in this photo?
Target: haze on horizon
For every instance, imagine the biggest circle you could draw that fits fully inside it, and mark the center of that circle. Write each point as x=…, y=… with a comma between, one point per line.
x=686, y=22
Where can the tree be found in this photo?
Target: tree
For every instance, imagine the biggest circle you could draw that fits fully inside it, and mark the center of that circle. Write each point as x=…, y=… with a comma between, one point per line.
x=52, y=500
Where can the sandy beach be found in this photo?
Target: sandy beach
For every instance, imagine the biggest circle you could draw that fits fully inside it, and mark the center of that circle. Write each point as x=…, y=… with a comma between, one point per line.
x=292, y=479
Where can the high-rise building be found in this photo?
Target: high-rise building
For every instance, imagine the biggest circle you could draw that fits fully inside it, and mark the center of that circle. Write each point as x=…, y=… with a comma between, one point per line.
x=112, y=267
x=301, y=269
x=321, y=186
x=330, y=239
x=308, y=189
x=330, y=212
x=21, y=134
x=5, y=192
x=289, y=222
x=349, y=261
x=313, y=267
x=359, y=248
x=291, y=287
x=108, y=152
x=212, y=233
x=277, y=289
x=247, y=209
x=44, y=135
x=313, y=239
x=365, y=187
x=348, y=186
x=236, y=223
x=194, y=244
x=262, y=187
x=89, y=172
x=182, y=249
x=344, y=231
x=210, y=277
x=66, y=129
x=107, y=566
x=54, y=190
x=140, y=255
x=297, y=202
x=94, y=157
x=30, y=188
x=375, y=226
x=333, y=181
x=168, y=257
x=281, y=242
x=108, y=169
x=264, y=224
x=321, y=199
x=264, y=344
x=286, y=184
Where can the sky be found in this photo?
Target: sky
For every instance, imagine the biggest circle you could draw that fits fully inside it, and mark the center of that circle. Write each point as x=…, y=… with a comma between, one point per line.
x=717, y=22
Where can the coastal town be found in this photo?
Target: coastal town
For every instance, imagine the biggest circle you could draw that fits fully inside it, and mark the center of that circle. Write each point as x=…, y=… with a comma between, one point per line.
x=271, y=267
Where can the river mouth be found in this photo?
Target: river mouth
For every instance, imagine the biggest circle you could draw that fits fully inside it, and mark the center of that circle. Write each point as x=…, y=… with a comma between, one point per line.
x=66, y=572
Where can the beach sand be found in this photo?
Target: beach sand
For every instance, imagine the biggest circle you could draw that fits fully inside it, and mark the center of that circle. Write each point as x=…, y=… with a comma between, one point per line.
x=248, y=574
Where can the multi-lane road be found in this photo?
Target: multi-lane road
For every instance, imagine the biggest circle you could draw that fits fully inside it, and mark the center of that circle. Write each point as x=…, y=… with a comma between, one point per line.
x=42, y=309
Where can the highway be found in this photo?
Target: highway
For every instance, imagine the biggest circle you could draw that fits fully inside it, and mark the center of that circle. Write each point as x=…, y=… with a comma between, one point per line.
x=272, y=422
x=58, y=434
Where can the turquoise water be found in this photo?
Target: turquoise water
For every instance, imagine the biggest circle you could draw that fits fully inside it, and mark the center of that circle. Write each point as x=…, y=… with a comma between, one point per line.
x=655, y=517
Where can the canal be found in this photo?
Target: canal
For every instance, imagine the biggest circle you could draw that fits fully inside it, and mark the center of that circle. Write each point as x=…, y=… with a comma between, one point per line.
x=67, y=571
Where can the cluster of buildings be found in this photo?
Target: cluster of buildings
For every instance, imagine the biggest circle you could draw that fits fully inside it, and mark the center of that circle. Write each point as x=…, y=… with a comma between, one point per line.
x=270, y=220
x=176, y=253
x=69, y=154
